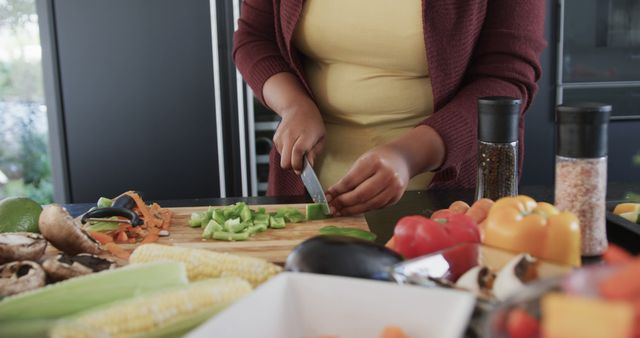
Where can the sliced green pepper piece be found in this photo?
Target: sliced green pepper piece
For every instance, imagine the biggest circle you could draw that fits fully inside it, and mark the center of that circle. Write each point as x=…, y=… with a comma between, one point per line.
x=230, y=236
x=261, y=219
x=291, y=215
x=218, y=216
x=103, y=226
x=276, y=222
x=197, y=219
x=104, y=202
x=256, y=228
x=210, y=212
x=315, y=211
x=231, y=223
x=245, y=214
x=235, y=228
x=347, y=231
x=211, y=227
x=233, y=211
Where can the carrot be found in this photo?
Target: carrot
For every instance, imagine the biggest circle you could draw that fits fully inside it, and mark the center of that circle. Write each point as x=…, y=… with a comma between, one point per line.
x=391, y=244
x=166, y=218
x=459, y=207
x=623, y=284
x=117, y=250
x=152, y=236
x=616, y=255
x=393, y=332
x=479, y=210
x=100, y=237
x=123, y=227
x=149, y=220
x=121, y=236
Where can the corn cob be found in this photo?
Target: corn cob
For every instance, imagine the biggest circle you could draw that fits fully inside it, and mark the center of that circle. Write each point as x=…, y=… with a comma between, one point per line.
x=166, y=313
x=203, y=264
x=31, y=313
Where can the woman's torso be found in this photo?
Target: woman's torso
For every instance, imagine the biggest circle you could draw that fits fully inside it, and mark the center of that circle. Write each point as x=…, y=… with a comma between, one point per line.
x=366, y=64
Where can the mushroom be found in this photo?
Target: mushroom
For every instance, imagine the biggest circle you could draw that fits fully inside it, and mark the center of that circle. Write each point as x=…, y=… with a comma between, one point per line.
x=17, y=277
x=63, y=266
x=478, y=279
x=21, y=246
x=59, y=228
x=514, y=275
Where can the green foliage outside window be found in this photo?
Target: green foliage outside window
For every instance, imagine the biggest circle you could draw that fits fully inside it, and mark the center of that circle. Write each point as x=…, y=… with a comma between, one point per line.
x=24, y=161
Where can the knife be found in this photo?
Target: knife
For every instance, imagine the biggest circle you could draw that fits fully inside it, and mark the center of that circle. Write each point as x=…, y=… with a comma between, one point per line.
x=313, y=186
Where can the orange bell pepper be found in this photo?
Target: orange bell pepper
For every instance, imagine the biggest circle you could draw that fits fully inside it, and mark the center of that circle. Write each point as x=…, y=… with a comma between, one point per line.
x=521, y=224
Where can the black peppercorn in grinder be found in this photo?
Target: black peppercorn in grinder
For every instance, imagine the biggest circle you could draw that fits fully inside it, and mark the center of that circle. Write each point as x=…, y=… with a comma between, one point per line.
x=497, y=147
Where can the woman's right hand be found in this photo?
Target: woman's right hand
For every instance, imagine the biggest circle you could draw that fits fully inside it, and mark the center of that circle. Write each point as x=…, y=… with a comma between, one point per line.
x=300, y=132
x=301, y=129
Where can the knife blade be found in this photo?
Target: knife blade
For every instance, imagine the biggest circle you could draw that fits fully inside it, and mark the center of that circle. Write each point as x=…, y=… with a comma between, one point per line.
x=314, y=187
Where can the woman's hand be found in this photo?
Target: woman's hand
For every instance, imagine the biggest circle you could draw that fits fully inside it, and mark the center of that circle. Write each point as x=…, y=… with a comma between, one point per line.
x=302, y=128
x=301, y=131
x=380, y=176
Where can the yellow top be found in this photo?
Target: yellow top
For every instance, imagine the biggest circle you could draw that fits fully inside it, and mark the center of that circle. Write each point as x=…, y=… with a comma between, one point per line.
x=367, y=67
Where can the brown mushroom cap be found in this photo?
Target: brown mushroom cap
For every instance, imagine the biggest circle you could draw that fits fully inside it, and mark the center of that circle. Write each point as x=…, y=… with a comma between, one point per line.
x=59, y=228
x=17, y=277
x=63, y=266
x=21, y=246
x=518, y=271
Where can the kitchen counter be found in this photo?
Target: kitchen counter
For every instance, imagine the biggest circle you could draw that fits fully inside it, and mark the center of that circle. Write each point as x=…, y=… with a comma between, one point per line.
x=382, y=221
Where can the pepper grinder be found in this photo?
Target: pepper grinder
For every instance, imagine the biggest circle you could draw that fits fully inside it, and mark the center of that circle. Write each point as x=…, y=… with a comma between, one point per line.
x=581, y=170
x=497, y=147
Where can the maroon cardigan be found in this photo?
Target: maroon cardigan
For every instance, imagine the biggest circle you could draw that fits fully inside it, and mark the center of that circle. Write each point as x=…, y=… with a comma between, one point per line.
x=474, y=48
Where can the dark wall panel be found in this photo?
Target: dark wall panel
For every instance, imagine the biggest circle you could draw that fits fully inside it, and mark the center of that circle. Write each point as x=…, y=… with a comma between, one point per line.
x=539, y=133
x=138, y=97
x=624, y=144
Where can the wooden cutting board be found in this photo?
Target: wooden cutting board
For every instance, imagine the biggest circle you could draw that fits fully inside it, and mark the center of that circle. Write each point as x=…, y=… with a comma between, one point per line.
x=273, y=245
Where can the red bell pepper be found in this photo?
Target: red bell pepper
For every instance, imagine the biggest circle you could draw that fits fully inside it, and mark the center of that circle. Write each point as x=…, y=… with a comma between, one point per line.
x=417, y=235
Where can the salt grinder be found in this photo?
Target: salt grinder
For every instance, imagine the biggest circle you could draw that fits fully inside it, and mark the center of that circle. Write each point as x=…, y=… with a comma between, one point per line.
x=581, y=170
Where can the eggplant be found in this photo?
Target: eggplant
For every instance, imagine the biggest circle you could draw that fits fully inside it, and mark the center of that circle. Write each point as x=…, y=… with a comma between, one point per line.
x=343, y=256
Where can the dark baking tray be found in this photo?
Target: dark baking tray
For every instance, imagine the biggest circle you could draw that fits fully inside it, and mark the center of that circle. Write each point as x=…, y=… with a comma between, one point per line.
x=621, y=231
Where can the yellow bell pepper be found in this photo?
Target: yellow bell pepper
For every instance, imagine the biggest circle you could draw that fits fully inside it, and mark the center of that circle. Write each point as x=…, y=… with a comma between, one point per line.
x=521, y=224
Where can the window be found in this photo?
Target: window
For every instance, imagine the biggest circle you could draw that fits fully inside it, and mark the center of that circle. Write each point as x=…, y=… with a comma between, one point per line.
x=24, y=161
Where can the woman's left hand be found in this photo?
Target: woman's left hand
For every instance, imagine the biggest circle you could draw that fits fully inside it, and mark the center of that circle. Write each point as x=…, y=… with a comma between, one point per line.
x=378, y=178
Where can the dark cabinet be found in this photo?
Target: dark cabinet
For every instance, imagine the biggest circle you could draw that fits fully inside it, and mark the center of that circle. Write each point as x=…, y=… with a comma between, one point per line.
x=599, y=60
x=593, y=55
x=137, y=95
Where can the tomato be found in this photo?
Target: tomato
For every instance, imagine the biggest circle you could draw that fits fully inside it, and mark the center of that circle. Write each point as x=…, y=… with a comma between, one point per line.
x=417, y=235
x=616, y=255
x=406, y=235
x=520, y=324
